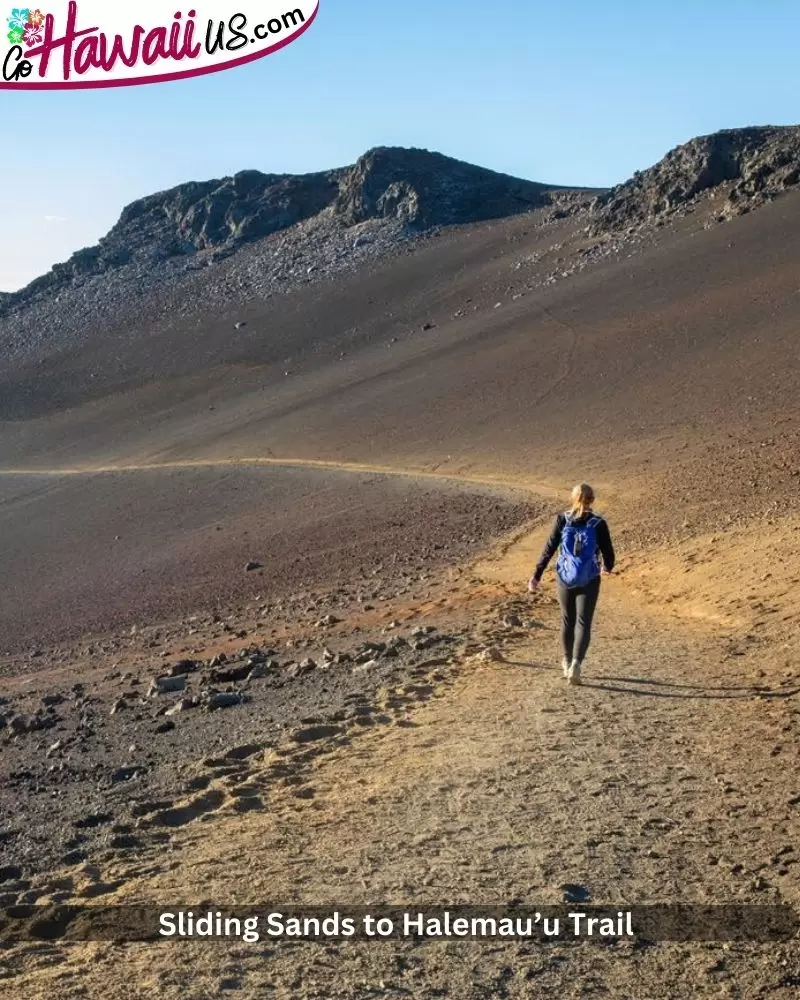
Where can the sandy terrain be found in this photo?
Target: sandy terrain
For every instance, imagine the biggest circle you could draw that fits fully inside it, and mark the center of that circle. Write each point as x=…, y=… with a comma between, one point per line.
x=681, y=354
x=101, y=553
x=669, y=777
x=668, y=378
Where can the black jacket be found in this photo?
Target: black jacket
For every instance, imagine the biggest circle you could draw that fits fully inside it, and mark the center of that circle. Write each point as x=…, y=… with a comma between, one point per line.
x=553, y=542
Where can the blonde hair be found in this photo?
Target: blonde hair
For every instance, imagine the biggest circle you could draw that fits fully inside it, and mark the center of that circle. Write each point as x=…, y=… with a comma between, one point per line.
x=582, y=499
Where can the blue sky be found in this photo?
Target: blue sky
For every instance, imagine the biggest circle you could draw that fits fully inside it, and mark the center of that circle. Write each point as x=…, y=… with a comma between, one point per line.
x=583, y=92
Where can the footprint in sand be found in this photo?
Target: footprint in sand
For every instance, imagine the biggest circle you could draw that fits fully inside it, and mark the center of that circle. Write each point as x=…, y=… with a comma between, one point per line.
x=313, y=734
x=100, y=889
x=193, y=810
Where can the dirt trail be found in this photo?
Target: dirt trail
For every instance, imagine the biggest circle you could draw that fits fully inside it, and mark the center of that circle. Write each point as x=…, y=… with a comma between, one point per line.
x=467, y=478
x=670, y=776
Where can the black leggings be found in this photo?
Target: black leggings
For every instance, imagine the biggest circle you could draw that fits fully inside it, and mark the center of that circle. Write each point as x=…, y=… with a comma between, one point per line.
x=577, y=612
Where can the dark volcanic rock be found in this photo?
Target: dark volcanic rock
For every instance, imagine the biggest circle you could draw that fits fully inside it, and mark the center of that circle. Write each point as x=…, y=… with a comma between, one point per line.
x=427, y=189
x=237, y=209
x=232, y=675
x=753, y=164
x=195, y=224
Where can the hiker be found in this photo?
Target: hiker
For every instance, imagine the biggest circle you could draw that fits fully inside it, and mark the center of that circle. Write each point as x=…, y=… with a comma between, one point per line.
x=584, y=543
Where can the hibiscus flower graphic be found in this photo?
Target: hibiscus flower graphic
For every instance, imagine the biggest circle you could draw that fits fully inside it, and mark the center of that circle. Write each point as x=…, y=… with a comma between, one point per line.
x=36, y=18
x=15, y=36
x=33, y=35
x=20, y=16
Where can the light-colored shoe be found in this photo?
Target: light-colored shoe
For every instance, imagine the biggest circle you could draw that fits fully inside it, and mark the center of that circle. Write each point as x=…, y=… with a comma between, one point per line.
x=575, y=673
x=565, y=667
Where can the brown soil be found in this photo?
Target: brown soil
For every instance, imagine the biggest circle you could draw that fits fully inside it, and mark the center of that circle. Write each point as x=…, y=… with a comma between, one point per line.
x=100, y=553
x=670, y=776
x=668, y=379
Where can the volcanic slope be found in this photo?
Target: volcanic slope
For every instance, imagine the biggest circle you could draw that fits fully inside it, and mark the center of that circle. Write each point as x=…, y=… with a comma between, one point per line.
x=661, y=365
x=659, y=362
x=526, y=353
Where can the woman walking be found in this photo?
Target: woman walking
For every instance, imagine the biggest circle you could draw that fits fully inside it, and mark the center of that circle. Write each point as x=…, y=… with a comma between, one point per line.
x=584, y=545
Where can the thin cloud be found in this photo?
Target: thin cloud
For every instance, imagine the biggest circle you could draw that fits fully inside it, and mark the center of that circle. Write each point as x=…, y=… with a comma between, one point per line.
x=55, y=218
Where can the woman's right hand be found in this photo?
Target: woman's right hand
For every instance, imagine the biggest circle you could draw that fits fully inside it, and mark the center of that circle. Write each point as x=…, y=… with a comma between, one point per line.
x=533, y=584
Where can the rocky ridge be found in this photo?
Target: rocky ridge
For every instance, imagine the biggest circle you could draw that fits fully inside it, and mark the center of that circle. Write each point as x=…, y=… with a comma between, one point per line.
x=198, y=224
x=176, y=255
x=714, y=178
x=747, y=167
x=252, y=236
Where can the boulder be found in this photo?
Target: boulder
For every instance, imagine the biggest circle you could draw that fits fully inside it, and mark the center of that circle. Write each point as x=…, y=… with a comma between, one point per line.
x=167, y=685
x=184, y=705
x=222, y=699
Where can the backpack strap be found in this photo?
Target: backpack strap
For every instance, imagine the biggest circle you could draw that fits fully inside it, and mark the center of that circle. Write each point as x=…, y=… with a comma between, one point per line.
x=594, y=520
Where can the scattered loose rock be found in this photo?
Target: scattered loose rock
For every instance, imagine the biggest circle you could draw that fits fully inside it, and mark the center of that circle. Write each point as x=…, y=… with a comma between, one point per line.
x=166, y=685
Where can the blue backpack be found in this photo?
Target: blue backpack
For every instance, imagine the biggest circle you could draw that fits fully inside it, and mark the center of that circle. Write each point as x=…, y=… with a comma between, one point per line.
x=578, y=559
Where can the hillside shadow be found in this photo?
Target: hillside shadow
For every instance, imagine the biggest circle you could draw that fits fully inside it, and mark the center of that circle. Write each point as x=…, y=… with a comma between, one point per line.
x=678, y=692
x=687, y=687
x=696, y=693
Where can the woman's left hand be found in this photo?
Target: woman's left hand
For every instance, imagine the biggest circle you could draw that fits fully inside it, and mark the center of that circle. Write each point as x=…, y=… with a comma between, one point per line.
x=533, y=584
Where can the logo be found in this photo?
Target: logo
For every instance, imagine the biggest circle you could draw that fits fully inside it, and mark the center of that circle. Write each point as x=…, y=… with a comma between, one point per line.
x=93, y=43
